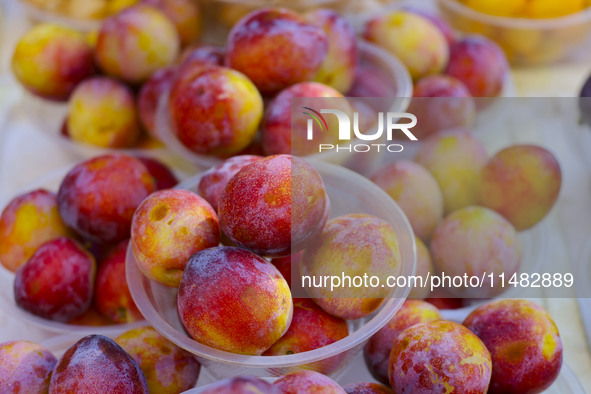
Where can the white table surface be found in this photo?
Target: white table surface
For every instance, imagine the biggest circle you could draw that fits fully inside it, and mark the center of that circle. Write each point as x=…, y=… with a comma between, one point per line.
x=26, y=154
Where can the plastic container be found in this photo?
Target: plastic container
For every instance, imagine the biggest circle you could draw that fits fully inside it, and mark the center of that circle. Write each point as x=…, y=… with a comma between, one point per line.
x=349, y=193
x=50, y=182
x=533, y=246
x=526, y=41
x=371, y=55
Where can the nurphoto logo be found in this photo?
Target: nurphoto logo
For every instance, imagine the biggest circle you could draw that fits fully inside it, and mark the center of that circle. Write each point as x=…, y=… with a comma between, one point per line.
x=389, y=122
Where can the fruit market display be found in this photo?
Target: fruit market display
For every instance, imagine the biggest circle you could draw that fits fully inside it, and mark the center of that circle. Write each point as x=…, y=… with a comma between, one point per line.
x=234, y=247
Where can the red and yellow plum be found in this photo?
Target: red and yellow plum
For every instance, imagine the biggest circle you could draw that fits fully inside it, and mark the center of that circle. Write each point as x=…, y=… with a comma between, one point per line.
x=439, y=356
x=283, y=204
x=50, y=60
x=25, y=367
x=57, y=282
x=214, y=110
x=474, y=241
x=522, y=183
x=417, y=42
x=276, y=48
x=27, y=222
x=243, y=316
x=99, y=196
x=377, y=350
x=102, y=112
x=524, y=344
x=480, y=64
x=417, y=193
x=135, y=43
x=454, y=158
x=283, y=135
x=168, y=227
x=96, y=364
x=168, y=368
x=311, y=328
x=353, y=244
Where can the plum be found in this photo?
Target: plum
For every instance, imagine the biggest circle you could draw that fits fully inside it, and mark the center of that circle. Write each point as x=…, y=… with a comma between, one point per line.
x=102, y=112
x=282, y=134
x=417, y=193
x=243, y=316
x=28, y=221
x=376, y=351
x=184, y=14
x=480, y=64
x=168, y=368
x=214, y=110
x=95, y=365
x=163, y=176
x=367, y=388
x=242, y=385
x=99, y=196
x=276, y=48
x=50, y=60
x=476, y=240
x=454, y=158
x=441, y=102
x=340, y=65
x=439, y=356
x=168, y=227
x=417, y=42
x=522, y=183
x=149, y=96
x=274, y=206
x=136, y=42
x=57, y=282
x=524, y=344
x=307, y=382
x=311, y=328
x=112, y=297
x=352, y=244
x=25, y=367
x=214, y=181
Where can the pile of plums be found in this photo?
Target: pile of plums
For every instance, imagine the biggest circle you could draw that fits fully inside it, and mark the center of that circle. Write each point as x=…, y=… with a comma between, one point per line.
x=53, y=241
x=467, y=208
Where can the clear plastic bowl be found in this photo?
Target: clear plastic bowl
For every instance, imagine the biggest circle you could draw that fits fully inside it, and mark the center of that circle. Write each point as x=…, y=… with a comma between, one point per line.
x=50, y=182
x=371, y=55
x=533, y=246
x=526, y=42
x=566, y=383
x=349, y=193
